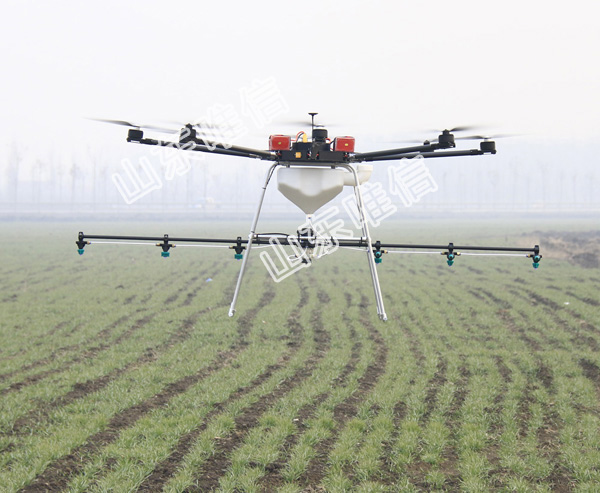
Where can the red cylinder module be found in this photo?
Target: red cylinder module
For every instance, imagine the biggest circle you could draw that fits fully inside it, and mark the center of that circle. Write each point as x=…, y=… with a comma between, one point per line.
x=344, y=144
x=280, y=142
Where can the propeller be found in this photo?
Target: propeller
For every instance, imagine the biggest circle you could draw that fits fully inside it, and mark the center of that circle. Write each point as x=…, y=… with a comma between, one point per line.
x=201, y=124
x=486, y=137
x=408, y=141
x=463, y=128
x=307, y=122
x=134, y=125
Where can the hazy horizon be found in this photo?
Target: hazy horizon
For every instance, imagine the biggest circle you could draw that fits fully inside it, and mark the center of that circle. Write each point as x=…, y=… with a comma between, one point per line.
x=382, y=73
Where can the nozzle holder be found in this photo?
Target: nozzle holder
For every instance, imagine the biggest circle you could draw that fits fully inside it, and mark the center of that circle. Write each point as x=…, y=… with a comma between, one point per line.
x=536, y=257
x=450, y=254
x=81, y=243
x=166, y=246
x=378, y=252
x=238, y=248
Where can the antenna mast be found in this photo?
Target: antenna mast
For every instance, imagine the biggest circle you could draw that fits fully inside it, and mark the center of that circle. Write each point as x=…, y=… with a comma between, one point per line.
x=313, y=121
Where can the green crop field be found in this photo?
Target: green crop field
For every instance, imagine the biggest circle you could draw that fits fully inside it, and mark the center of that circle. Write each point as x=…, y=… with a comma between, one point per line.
x=121, y=371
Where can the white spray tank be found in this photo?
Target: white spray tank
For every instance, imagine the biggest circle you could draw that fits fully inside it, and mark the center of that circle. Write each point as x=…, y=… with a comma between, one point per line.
x=311, y=188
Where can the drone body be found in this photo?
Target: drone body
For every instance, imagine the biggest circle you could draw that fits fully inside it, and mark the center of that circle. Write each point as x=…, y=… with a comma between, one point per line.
x=311, y=173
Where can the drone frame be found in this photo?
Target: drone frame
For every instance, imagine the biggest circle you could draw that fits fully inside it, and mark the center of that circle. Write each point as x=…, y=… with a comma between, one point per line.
x=327, y=159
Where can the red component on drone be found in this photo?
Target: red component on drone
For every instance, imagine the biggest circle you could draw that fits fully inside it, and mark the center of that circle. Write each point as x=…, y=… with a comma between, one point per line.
x=280, y=142
x=344, y=144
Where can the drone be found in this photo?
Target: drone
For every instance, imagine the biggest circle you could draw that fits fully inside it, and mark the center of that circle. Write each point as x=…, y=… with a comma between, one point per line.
x=311, y=171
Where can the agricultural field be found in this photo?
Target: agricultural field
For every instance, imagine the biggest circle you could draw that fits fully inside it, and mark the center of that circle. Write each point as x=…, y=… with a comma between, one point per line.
x=121, y=371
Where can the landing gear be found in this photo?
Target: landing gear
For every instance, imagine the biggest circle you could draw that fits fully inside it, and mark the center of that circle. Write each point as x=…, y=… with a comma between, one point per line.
x=373, y=257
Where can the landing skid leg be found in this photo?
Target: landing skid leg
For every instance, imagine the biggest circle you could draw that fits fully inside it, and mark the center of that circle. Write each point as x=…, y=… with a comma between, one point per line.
x=250, y=239
x=370, y=256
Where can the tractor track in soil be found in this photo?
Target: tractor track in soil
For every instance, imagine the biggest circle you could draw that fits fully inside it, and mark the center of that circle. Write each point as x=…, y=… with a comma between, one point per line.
x=417, y=470
x=57, y=474
x=510, y=324
x=551, y=308
x=504, y=370
x=548, y=438
x=86, y=355
x=191, y=295
x=586, y=300
x=449, y=466
x=216, y=466
x=434, y=385
x=80, y=390
x=399, y=414
x=504, y=312
x=65, y=349
x=400, y=408
x=492, y=451
x=165, y=470
x=273, y=478
x=347, y=409
x=175, y=296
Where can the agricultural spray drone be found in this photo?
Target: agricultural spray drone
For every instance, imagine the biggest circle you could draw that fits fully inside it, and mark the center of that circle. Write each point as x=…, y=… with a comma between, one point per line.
x=312, y=171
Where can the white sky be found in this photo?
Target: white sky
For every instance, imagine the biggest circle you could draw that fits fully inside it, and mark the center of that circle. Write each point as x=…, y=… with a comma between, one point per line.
x=376, y=69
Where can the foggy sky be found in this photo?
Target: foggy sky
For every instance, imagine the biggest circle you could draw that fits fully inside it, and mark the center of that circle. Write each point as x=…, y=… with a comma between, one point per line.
x=379, y=71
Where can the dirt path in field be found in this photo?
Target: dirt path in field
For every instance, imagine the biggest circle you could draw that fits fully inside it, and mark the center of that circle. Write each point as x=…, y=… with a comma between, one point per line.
x=273, y=478
x=389, y=476
x=347, y=409
x=203, y=275
x=85, y=355
x=449, y=466
x=56, y=353
x=94, y=351
x=165, y=470
x=433, y=386
x=418, y=469
x=80, y=390
x=573, y=329
x=57, y=475
x=548, y=436
x=218, y=464
x=509, y=322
